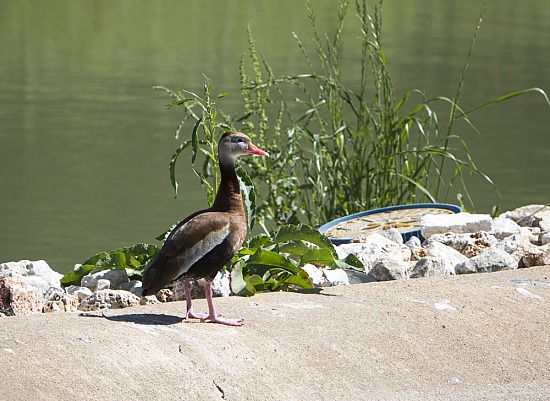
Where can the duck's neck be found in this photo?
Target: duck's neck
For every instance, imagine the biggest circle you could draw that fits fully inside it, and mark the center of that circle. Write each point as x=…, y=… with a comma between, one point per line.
x=228, y=198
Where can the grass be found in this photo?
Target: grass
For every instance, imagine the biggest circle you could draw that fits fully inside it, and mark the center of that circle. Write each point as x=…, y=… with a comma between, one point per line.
x=342, y=149
x=337, y=148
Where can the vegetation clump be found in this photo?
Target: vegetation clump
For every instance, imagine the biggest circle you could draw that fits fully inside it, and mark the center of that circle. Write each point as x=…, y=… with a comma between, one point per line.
x=336, y=149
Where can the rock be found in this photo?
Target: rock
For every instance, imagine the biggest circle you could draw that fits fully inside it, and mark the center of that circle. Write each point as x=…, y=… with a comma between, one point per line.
x=60, y=301
x=18, y=298
x=148, y=300
x=315, y=275
x=532, y=233
x=134, y=286
x=221, y=286
x=517, y=245
x=450, y=256
x=490, y=260
x=536, y=256
x=529, y=216
x=431, y=266
x=457, y=223
x=544, y=238
x=418, y=253
x=415, y=245
x=357, y=277
x=336, y=276
x=385, y=269
x=544, y=226
x=102, y=284
x=115, y=277
x=394, y=235
x=469, y=245
x=79, y=292
x=179, y=291
x=413, y=242
x=165, y=295
x=503, y=227
x=106, y=299
x=374, y=247
x=37, y=274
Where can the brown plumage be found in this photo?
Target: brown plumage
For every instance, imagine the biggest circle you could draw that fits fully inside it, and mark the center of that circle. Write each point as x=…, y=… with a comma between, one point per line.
x=201, y=244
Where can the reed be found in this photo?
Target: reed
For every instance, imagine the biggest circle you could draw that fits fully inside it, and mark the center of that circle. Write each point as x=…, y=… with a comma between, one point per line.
x=339, y=149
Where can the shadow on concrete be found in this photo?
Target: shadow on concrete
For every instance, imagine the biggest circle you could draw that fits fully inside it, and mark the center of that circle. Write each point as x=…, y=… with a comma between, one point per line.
x=140, y=318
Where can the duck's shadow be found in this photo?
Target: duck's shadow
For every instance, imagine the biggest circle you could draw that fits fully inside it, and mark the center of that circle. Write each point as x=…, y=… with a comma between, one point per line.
x=140, y=318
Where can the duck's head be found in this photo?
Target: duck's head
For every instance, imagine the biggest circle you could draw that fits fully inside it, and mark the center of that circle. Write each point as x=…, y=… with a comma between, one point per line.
x=234, y=144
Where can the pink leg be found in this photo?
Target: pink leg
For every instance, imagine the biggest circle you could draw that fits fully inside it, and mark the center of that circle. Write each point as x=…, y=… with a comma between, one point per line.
x=190, y=314
x=214, y=318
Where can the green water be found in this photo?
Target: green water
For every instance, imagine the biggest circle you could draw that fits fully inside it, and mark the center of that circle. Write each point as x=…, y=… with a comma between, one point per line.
x=85, y=142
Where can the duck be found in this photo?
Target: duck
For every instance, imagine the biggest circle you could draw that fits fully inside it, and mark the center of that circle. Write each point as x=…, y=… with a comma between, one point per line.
x=200, y=245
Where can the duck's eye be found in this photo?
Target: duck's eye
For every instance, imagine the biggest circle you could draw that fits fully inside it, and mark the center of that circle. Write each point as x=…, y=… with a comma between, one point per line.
x=240, y=140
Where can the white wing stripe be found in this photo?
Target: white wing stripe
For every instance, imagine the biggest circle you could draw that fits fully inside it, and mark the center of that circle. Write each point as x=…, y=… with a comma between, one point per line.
x=201, y=248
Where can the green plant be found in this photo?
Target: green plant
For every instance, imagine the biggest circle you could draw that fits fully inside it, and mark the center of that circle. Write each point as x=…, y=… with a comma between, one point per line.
x=275, y=262
x=133, y=259
x=339, y=149
x=202, y=111
x=266, y=262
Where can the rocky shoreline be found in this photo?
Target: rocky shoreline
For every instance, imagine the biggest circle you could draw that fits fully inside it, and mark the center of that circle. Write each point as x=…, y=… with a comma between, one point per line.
x=453, y=244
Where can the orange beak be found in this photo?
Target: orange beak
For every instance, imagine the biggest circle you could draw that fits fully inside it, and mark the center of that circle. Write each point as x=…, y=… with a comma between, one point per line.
x=252, y=149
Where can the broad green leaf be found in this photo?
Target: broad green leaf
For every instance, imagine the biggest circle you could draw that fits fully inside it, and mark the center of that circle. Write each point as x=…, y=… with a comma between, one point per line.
x=267, y=258
x=350, y=262
x=321, y=256
x=298, y=248
x=303, y=232
x=252, y=283
x=258, y=241
x=75, y=276
x=301, y=280
x=134, y=259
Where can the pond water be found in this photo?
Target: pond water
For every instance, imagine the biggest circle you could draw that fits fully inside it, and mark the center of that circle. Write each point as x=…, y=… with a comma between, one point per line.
x=85, y=142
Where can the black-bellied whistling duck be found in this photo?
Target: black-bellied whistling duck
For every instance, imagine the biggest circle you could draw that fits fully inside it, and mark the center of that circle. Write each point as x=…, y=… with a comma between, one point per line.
x=201, y=244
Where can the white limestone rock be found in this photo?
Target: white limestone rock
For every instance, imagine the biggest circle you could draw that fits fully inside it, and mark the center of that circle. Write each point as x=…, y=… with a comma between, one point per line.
x=431, y=266
x=536, y=256
x=60, y=301
x=79, y=292
x=490, y=260
x=37, y=274
x=108, y=299
x=529, y=216
x=386, y=269
x=394, y=234
x=503, y=227
x=115, y=277
x=315, y=275
x=450, y=256
x=18, y=298
x=469, y=244
x=357, y=277
x=166, y=295
x=102, y=284
x=221, y=285
x=544, y=238
x=336, y=276
x=134, y=286
x=544, y=226
x=374, y=247
x=413, y=242
x=517, y=245
x=457, y=223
